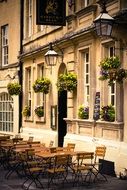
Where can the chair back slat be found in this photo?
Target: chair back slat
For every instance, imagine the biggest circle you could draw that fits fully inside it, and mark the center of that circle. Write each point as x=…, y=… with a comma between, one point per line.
x=61, y=160
x=59, y=149
x=100, y=152
x=52, y=149
x=71, y=146
x=86, y=157
x=51, y=143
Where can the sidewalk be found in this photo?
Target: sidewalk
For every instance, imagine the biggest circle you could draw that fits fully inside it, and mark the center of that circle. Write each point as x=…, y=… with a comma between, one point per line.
x=15, y=183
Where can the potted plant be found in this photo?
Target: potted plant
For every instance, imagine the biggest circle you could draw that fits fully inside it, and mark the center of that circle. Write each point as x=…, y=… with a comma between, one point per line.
x=107, y=113
x=42, y=85
x=67, y=81
x=83, y=112
x=111, y=71
x=110, y=63
x=120, y=75
x=14, y=88
x=26, y=111
x=39, y=111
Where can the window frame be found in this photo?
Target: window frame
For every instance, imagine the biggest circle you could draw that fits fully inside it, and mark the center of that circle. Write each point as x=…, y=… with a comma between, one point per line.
x=85, y=3
x=6, y=113
x=86, y=77
x=29, y=89
x=30, y=17
x=4, y=44
x=112, y=88
x=40, y=96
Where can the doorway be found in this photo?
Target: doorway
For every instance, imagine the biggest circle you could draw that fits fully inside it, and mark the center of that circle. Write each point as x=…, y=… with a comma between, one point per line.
x=62, y=113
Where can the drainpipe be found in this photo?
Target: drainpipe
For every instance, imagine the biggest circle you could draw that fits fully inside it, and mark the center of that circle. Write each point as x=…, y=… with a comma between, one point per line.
x=20, y=72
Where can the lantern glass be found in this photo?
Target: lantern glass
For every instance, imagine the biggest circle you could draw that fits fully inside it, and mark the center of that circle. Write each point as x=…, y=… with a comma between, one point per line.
x=51, y=57
x=103, y=24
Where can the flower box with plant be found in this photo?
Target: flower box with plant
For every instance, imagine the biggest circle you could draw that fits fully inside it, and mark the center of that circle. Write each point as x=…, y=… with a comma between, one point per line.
x=39, y=111
x=67, y=81
x=111, y=71
x=110, y=63
x=107, y=113
x=42, y=85
x=26, y=111
x=14, y=88
x=83, y=112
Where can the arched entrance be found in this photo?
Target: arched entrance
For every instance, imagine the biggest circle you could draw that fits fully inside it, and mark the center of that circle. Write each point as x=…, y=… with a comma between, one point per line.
x=62, y=111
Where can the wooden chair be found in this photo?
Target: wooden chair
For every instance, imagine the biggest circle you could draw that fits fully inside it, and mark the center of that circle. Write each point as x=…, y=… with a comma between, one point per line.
x=51, y=143
x=32, y=168
x=71, y=146
x=4, y=137
x=20, y=147
x=53, y=149
x=58, y=170
x=12, y=163
x=36, y=146
x=97, y=166
x=82, y=168
x=30, y=139
x=59, y=149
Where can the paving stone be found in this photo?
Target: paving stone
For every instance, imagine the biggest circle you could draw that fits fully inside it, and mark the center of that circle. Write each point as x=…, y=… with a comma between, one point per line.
x=15, y=183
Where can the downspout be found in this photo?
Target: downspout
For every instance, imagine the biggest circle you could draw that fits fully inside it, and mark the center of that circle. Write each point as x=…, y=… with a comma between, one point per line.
x=20, y=73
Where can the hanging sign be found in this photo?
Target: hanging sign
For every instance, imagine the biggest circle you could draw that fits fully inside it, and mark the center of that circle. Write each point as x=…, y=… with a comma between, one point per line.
x=51, y=12
x=96, y=114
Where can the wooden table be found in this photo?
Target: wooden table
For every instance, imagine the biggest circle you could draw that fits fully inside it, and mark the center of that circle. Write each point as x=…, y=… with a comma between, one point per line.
x=16, y=140
x=49, y=154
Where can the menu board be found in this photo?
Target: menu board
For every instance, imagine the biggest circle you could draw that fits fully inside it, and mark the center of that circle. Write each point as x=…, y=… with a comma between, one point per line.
x=96, y=114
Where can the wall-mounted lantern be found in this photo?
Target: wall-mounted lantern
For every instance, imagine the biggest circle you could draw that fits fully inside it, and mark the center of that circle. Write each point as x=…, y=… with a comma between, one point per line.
x=104, y=22
x=51, y=56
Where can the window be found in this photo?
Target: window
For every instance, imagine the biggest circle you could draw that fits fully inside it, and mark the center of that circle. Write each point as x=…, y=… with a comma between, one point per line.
x=112, y=88
x=28, y=88
x=6, y=113
x=85, y=3
x=40, y=96
x=5, y=45
x=86, y=78
x=30, y=18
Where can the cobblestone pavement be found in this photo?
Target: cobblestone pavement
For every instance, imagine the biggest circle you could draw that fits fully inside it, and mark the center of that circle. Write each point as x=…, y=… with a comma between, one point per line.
x=15, y=183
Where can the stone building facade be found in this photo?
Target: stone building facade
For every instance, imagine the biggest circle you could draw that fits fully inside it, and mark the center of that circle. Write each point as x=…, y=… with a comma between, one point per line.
x=10, y=46
x=82, y=52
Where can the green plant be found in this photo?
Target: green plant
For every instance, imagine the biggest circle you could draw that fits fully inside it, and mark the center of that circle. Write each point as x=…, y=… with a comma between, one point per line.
x=107, y=113
x=120, y=75
x=14, y=88
x=111, y=71
x=110, y=63
x=42, y=85
x=83, y=112
x=39, y=111
x=67, y=82
x=26, y=111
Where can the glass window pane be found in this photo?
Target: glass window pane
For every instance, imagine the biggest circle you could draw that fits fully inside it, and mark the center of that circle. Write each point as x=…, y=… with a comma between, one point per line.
x=87, y=68
x=112, y=100
x=6, y=110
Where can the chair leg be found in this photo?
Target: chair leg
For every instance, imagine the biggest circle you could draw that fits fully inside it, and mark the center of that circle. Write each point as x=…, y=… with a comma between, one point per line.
x=98, y=172
x=77, y=177
x=34, y=180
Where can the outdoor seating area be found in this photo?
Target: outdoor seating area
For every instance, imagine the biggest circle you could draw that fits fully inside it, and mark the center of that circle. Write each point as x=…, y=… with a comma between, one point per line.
x=48, y=167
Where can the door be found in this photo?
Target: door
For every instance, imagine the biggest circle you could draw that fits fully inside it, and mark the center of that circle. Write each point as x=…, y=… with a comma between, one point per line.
x=62, y=113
